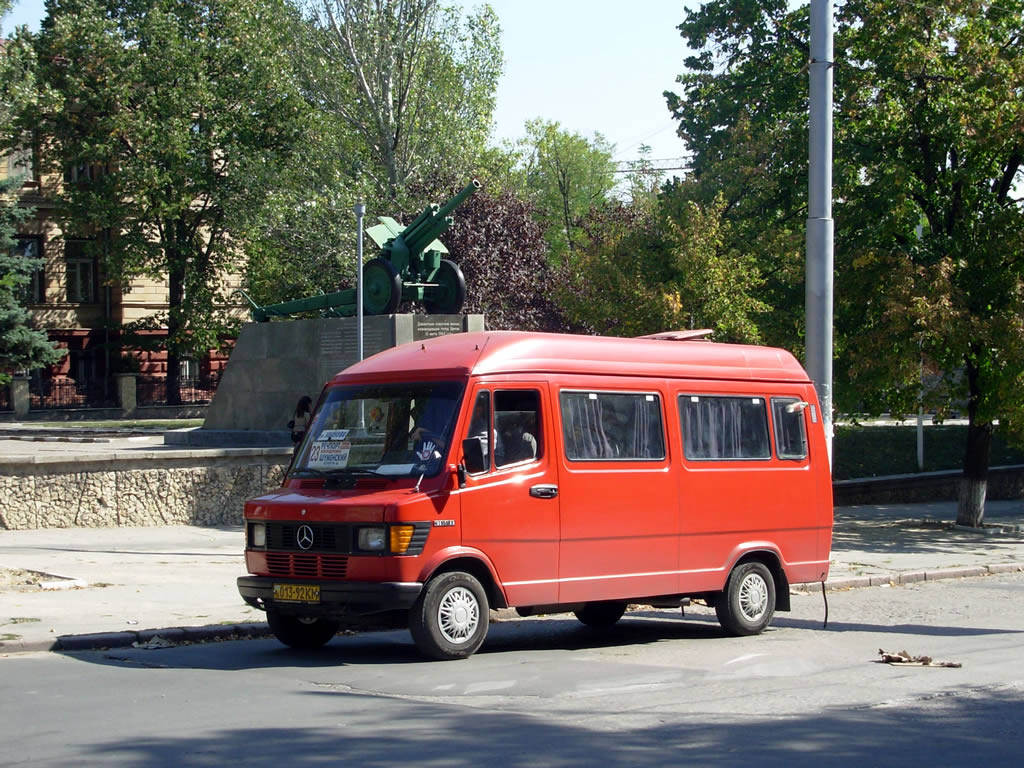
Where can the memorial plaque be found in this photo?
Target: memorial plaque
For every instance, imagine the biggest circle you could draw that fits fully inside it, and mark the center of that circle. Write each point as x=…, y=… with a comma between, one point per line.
x=431, y=326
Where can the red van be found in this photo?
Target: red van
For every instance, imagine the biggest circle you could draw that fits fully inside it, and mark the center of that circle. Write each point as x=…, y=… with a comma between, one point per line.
x=545, y=472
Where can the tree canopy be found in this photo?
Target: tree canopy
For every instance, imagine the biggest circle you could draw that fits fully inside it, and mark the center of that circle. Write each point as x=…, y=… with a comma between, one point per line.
x=929, y=146
x=412, y=81
x=173, y=118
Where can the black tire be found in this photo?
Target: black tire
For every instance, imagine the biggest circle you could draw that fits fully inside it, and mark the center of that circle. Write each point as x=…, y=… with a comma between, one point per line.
x=603, y=614
x=450, y=295
x=449, y=619
x=302, y=633
x=748, y=603
x=382, y=287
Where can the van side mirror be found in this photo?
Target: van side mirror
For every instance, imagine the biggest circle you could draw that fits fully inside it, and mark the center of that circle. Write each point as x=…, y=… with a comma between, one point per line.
x=473, y=451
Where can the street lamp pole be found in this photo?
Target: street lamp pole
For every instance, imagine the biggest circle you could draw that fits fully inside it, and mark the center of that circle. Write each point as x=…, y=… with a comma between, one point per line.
x=360, y=210
x=820, y=226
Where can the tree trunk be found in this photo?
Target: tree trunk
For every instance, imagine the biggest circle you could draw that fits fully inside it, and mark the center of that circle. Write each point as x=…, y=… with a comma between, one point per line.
x=175, y=326
x=974, y=482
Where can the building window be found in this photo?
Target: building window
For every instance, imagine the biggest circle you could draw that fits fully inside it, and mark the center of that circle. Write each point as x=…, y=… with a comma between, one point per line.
x=724, y=427
x=34, y=292
x=22, y=162
x=81, y=272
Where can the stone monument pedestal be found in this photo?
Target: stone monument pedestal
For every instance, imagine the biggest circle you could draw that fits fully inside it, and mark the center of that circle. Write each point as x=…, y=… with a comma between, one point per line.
x=273, y=364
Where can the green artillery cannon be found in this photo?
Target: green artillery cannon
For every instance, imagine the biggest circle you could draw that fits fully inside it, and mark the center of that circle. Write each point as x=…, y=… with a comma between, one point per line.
x=409, y=268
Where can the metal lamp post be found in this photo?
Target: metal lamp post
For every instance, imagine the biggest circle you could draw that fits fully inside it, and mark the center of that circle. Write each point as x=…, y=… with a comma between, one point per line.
x=360, y=210
x=819, y=214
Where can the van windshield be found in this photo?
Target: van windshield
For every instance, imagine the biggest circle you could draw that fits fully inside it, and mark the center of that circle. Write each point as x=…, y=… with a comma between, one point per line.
x=391, y=430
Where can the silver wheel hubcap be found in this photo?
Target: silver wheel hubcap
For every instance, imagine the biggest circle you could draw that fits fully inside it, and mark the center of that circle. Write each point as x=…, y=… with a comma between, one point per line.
x=458, y=615
x=753, y=597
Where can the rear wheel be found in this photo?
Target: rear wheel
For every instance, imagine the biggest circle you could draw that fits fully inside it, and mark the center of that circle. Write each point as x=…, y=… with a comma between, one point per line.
x=301, y=632
x=450, y=617
x=450, y=294
x=603, y=614
x=748, y=603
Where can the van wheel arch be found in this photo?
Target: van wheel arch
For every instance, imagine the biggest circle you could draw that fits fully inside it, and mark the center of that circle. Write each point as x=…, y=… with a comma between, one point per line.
x=771, y=561
x=479, y=569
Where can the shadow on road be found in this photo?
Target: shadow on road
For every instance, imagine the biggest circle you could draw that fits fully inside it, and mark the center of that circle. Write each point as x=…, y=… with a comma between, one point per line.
x=981, y=727
x=518, y=636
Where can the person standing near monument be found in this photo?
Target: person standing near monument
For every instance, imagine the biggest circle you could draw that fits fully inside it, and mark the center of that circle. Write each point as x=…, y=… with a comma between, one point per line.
x=300, y=418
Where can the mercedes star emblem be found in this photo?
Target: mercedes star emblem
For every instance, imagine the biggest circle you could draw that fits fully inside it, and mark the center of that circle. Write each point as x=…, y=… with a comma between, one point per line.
x=304, y=537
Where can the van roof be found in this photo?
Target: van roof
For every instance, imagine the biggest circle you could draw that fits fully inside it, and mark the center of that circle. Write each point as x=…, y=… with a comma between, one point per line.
x=499, y=352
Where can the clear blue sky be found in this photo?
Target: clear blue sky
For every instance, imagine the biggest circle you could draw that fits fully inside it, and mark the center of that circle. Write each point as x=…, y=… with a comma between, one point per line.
x=592, y=65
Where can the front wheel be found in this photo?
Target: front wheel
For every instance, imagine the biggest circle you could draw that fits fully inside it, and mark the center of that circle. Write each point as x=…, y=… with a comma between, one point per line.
x=449, y=619
x=382, y=287
x=300, y=632
x=748, y=603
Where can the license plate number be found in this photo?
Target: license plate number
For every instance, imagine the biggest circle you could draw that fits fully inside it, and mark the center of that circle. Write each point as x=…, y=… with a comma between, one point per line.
x=297, y=593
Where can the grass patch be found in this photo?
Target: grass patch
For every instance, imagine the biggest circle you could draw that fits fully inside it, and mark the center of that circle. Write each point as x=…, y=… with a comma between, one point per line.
x=860, y=451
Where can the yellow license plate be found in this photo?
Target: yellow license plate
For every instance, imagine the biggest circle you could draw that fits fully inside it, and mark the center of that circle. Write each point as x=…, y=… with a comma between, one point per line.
x=297, y=593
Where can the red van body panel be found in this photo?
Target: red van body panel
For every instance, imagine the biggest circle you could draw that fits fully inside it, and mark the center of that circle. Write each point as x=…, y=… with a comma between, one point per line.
x=552, y=529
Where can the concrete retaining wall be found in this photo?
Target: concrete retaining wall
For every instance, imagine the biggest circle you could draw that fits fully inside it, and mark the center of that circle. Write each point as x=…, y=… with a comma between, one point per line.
x=1004, y=483
x=182, y=489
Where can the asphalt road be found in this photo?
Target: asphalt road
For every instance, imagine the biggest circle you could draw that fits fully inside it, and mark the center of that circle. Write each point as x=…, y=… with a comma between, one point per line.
x=655, y=690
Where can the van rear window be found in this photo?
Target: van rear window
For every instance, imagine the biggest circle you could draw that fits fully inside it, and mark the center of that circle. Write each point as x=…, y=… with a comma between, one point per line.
x=612, y=426
x=724, y=427
x=790, y=433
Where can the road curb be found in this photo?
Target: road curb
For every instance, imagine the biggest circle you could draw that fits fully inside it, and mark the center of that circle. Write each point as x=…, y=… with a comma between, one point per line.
x=898, y=578
x=103, y=640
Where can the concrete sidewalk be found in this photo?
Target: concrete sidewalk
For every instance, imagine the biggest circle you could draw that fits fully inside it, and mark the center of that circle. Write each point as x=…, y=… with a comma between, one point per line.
x=111, y=587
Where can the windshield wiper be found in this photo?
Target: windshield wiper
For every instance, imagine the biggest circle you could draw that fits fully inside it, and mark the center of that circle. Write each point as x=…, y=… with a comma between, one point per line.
x=339, y=472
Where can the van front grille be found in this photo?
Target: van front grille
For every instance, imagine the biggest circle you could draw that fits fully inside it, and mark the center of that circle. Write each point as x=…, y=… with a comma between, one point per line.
x=307, y=566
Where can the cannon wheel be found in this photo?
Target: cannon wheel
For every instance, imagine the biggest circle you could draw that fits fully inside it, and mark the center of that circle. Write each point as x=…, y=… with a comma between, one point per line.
x=450, y=294
x=382, y=287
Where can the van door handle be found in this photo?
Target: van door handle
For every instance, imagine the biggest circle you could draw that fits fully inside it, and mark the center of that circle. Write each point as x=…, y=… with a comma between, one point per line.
x=544, y=491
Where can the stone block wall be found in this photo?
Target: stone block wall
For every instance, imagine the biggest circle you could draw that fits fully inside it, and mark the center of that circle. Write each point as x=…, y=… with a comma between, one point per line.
x=119, y=494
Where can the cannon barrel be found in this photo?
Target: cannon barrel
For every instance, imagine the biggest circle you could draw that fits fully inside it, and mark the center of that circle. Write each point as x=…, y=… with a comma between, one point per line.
x=433, y=221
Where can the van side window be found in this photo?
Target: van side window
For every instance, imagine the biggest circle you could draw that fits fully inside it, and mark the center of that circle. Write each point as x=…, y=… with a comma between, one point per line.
x=516, y=426
x=616, y=426
x=724, y=427
x=480, y=425
x=790, y=433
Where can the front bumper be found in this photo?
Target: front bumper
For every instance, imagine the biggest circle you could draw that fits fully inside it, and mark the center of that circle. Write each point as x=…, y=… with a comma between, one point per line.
x=337, y=599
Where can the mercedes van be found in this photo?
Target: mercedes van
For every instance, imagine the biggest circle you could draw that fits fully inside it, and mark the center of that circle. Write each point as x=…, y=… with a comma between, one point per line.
x=546, y=473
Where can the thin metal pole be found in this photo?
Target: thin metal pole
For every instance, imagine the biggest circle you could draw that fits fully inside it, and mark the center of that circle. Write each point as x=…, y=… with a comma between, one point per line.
x=819, y=214
x=360, y=209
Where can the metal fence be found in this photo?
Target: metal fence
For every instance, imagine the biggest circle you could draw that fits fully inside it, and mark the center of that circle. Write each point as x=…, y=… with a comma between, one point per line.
x=6, y=403
x=153, y=391
x=48, y=394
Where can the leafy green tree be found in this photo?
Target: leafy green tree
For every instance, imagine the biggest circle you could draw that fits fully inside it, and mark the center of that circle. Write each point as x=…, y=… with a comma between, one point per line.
x=414, y=82
x=22, y=347
x=174, y=118
x=669, y=266
x=929, y=151
x=565, y=176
